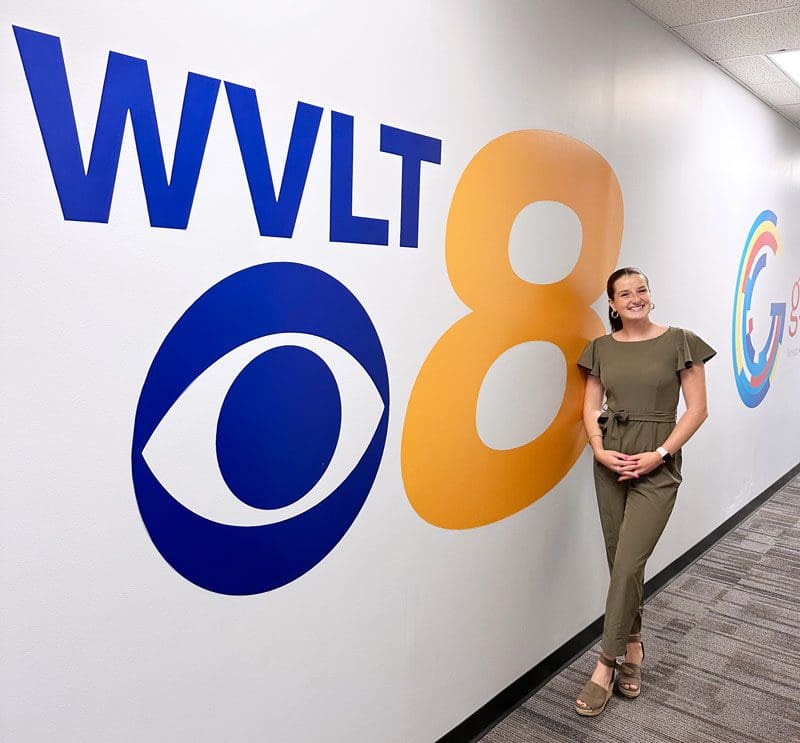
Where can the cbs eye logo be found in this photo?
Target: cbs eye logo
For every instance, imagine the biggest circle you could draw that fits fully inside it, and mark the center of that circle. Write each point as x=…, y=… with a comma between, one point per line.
x=260, y=427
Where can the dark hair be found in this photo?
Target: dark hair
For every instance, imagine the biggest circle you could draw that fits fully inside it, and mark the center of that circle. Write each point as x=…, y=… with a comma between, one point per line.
x=616, y=323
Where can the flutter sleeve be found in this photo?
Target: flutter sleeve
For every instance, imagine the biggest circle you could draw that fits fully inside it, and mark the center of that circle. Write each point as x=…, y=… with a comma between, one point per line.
x=692, y=348
x=589, y=359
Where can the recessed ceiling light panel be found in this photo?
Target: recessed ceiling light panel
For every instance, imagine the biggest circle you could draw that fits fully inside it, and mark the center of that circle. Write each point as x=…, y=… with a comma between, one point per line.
x=789, y=62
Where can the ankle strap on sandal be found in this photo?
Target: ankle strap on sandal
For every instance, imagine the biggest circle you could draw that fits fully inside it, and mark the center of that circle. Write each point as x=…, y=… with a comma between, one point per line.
x=607, y=662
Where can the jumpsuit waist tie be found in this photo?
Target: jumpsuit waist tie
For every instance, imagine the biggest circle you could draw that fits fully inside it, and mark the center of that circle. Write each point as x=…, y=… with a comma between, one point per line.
x=611, y=420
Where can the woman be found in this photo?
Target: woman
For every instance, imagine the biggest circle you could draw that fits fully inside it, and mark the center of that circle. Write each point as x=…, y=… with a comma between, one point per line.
x=640, y=368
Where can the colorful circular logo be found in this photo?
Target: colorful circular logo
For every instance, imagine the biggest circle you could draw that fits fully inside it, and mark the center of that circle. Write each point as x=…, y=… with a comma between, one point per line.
x=753, y=370
x=271, y=374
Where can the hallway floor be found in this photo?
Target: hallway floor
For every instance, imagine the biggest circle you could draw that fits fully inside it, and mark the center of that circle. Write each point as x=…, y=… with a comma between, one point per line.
x=723, y=651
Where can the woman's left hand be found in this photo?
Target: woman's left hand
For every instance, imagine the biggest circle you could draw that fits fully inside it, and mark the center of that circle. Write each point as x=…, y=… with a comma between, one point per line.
x=641, y=464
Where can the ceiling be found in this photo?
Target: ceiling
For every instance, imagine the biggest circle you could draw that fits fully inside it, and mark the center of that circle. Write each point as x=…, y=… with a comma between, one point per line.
x=736, y=35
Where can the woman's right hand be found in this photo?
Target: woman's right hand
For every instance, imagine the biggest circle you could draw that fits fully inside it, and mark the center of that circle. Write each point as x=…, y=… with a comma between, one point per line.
x=616, y=461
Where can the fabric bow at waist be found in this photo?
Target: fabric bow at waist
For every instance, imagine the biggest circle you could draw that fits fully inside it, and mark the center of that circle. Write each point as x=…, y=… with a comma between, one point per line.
x=610, y=419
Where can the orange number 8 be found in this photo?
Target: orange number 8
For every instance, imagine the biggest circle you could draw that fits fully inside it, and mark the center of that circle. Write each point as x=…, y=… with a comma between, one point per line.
x=452, y=478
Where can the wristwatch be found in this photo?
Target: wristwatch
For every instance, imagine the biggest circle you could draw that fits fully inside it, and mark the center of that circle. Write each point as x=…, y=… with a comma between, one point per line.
x=664, y=454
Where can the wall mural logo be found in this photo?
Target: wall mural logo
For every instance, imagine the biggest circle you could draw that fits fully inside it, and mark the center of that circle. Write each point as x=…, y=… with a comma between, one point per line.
x=453, y=479
x=292, y=376
x=754, y=370
x=263, y=417
x=85, y=193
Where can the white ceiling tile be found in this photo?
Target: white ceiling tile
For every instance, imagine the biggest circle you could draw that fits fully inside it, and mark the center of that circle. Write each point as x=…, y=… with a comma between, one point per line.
x=755, y=70
x=791, y=112
x=778, y=94
x=683, y=12
x=751, y=34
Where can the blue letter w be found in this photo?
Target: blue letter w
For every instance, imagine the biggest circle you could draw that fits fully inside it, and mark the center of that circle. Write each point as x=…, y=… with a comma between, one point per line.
x=85, y=195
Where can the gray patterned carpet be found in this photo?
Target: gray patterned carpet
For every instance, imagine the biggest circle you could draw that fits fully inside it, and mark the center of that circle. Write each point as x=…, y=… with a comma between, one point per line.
x=723, y=651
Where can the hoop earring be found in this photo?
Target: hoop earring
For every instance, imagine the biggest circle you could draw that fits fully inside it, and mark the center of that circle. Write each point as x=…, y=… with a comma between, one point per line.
x=614, y=314
x=652, y=306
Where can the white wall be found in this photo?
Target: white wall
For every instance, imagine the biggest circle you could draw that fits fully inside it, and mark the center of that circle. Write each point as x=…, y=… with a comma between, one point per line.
x=405, y=628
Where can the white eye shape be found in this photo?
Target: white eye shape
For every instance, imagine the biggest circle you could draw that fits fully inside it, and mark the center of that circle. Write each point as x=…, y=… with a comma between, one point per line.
x=181, y=451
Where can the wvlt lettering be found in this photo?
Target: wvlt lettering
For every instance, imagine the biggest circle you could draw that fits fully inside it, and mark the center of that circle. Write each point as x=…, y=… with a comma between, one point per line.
x=85, y=193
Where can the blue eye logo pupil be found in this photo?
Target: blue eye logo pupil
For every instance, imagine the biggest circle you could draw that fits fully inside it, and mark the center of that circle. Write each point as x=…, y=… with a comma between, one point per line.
x=278, y=427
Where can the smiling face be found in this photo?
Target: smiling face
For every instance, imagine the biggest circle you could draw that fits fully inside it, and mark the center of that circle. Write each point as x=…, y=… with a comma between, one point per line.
x=631, y=297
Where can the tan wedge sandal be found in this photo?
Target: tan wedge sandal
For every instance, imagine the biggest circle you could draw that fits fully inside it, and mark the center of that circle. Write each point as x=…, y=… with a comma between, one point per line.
x=595, y=696
x=630, y=673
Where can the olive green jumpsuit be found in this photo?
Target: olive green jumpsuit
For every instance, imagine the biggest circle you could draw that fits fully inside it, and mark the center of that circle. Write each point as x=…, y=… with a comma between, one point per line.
x=642, y=385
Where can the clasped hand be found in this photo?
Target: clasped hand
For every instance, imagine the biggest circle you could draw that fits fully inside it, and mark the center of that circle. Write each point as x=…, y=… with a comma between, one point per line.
x=629, y=466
